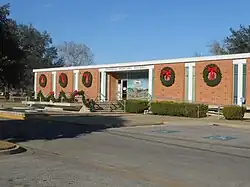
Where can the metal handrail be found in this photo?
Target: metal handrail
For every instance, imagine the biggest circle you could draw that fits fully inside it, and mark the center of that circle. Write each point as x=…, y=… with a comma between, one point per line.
x=99, y=96
x=119, y=101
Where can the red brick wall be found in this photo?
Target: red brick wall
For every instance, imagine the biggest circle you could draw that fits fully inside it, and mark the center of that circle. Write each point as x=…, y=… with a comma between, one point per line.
x=174, y=92
x=220, y=94
x=69, y=88
x=48, y=87
x=91, y=92
x=113, y=82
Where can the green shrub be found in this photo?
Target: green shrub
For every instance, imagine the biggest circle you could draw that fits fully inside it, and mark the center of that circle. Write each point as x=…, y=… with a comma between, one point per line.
x=170, y=108
x=136, y=106
x=234, y=112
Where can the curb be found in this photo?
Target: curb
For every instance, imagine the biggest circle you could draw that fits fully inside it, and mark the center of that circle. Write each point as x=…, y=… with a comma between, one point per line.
x=17, y=149
x=19, y=115
x=124, y=126
x=163, y=123
x=239, y=126
x=12, y=115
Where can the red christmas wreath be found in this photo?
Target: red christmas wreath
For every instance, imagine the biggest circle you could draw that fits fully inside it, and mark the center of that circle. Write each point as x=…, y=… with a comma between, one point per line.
x=167, y=76
x=43, y=80
x=87, y=79
x=212, y=75
x=63, y=80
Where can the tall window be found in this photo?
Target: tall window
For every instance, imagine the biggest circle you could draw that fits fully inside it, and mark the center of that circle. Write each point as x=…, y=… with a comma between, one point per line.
x=244, y=80
x=235, y=95
x=194, y=85
x=100, y=82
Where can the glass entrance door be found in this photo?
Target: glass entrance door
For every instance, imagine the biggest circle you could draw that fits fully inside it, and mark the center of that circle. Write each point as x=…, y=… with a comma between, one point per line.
x=124, y=89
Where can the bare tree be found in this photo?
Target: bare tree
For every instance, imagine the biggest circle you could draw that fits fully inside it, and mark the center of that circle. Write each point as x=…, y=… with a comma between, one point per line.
x=216, y=48
x=74, y=54
x=197, y=54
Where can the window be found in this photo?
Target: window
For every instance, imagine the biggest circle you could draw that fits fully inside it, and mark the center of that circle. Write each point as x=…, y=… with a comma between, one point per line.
x=193, y=96
x=186, y=83
x=100, y=82
x=235, y=83
x=244, y=80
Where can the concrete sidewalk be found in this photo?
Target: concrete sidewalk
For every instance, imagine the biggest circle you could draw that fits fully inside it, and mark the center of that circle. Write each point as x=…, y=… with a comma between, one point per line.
x=145, y=120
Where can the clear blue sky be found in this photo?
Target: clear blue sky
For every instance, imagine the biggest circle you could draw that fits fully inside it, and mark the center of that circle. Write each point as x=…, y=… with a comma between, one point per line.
x=134, y=30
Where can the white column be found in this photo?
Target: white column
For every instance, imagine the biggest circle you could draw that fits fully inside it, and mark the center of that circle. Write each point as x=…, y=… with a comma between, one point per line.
x=150, y=80
x=240, y=79
x=103, y=85
x=108, y=86
x=54, y=82
x=76, y=79
x=35, y=83
x=190, y=81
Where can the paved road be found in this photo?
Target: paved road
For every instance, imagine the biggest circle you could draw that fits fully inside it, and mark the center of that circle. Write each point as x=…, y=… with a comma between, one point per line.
x=102, y=159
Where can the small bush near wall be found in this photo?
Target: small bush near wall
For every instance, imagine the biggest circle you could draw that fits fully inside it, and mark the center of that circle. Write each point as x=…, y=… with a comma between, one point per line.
x=233, y=112
x=136, y=106
x=170, y=108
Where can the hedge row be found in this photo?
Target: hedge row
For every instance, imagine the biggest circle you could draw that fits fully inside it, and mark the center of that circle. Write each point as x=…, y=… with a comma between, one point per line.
x=168, y=108
x=171, y=108
x=136, y=106
x=234, y=112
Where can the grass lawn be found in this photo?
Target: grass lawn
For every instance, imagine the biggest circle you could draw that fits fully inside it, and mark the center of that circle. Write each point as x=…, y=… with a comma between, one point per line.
x=6, y=145
x=6, y=104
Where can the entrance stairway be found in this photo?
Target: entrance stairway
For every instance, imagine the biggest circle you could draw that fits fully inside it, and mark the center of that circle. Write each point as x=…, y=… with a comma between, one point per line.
x=109, y=106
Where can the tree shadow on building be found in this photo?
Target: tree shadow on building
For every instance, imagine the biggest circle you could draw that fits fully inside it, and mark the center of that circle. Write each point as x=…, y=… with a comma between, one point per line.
x=49, y=128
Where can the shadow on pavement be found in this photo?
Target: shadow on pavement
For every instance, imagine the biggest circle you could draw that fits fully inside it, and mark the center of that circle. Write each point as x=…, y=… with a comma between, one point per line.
x=49, y=128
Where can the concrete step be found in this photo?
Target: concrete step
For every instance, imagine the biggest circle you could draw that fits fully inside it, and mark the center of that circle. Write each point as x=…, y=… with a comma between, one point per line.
x=108, y=112
x=107, y=106
x=107, y=103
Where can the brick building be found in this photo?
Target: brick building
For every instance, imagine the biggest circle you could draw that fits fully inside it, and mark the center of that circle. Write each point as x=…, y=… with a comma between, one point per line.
x=212, y=80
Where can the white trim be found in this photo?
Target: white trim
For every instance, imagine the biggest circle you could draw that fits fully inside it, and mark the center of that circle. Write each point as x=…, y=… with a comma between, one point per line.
x=240, y=61
x=76, y=79
x=54, y=82
x=190, y=80
x=76, y=71
x=152, y=62
x=108, y=84
x=35, y=83
x=240, y=79
x=126, y=68
x=103, y=85
x=189, y=64
x=119, y=92
x=150, y=81
x=190, y=83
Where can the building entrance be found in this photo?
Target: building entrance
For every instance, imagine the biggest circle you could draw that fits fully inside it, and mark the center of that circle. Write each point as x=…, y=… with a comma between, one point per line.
x=122, y=89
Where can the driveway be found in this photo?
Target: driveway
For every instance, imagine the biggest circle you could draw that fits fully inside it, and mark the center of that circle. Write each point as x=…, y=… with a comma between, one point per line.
x=98, y=158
